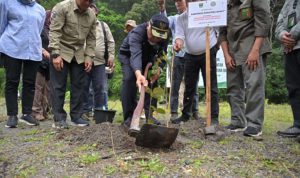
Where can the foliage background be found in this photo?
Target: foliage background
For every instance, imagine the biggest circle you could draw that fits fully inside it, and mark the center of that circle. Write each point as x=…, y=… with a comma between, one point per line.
x=116, y=12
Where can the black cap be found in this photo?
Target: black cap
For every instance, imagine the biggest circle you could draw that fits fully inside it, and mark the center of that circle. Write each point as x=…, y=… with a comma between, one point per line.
x=160, y=26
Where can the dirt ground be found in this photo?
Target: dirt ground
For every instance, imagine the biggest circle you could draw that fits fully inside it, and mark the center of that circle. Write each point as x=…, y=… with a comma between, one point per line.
x=105, y=150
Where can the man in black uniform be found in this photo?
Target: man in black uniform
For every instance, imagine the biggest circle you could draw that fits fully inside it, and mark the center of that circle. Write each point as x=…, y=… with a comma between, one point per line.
x=141, y=46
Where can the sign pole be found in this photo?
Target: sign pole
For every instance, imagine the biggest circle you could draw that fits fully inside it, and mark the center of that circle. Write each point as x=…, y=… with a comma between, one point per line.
x=208, y=80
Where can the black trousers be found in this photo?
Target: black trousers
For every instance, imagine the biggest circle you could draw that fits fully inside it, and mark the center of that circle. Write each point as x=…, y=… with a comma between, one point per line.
x=292, y=77
x=193, y=65
x=58, y=86
x=129, y=91
x=13, y=69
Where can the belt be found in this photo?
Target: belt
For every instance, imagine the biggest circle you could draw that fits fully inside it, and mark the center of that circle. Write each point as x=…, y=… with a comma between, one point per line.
x=126, y=53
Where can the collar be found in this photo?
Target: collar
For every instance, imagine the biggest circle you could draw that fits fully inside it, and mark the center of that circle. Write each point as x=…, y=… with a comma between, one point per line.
x=27, y=2
x=76, y=8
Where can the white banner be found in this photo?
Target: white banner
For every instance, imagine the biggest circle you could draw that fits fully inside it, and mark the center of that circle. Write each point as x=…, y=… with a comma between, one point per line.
x=221, y=70
x=210, y=13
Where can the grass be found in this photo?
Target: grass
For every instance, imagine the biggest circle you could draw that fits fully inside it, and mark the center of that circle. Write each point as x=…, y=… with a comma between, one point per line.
x=27, y=172
x=196, y=144
x=110, y=170
x=89, y=158
x=153, y=165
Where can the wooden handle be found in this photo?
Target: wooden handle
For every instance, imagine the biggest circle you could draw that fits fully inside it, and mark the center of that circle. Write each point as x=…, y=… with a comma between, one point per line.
x=171, y=81
x=135, y=122
x=208, y=81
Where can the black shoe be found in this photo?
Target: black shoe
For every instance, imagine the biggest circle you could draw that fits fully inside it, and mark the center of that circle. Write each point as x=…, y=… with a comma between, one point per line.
x=29, y=120
x=153, y=120
x=60, y=125
x=196, y=116
x=12, y=122
x=290, y=132
x=234, y=128
x=182, y=118
x=252, y=132
x=126, y=124
x=173, y=116
x=80, y=122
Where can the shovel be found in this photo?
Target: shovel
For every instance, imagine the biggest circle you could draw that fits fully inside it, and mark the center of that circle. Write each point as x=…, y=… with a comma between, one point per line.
x=150, y=135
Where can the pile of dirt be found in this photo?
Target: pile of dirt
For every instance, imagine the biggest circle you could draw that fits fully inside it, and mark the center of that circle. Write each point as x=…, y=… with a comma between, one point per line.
x=102, y=135
x=106, y=135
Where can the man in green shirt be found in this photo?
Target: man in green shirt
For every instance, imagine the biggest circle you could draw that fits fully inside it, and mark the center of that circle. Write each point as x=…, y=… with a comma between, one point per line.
x=288, y=33
x=245, y=44
x=72, y=45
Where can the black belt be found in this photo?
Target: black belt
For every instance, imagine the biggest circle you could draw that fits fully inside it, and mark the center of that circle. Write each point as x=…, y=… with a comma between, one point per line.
x=127, y=53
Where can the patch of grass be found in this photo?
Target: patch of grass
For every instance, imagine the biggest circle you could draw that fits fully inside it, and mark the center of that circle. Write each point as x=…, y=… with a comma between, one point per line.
x=110, y=170
x=33, y=139
x=198, y=162
x=269, y=164
x=29, y=132
x=28, y=172
x=89, y=158
x=153, y=165
x=225, y=141
x=143, y=175
x=243, y=172
x=85, y=148
x=3, y=158
x=295, y=149
x=3, y=141
x=196, y=144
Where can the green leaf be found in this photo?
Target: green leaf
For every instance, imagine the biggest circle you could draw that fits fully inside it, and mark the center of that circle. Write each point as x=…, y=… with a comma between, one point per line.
x=161, y=111
x=157, y=92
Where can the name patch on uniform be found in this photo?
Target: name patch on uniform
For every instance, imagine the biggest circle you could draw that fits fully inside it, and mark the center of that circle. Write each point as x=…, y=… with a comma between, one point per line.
x=292, y=20
x=246, y=13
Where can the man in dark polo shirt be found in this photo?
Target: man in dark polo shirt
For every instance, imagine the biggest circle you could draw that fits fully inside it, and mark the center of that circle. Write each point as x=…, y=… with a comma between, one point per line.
x=140, y=47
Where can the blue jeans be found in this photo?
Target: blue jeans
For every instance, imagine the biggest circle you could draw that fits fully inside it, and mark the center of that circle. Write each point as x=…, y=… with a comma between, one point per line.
x=95, y=89
x=178, y=71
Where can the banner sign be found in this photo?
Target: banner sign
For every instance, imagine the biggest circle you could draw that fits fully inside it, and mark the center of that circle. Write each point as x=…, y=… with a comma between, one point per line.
x=221, y=70
x=210, y=13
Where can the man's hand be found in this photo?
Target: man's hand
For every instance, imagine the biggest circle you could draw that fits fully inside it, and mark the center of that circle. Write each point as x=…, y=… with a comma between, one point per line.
x=288, y=42
x=46, y=54
x=58, y=63
x=155, y=76
x=230, y=64
x=110, y=63
x=140, y=80
x=253, y=59
x=88, y=65
x=178, y=45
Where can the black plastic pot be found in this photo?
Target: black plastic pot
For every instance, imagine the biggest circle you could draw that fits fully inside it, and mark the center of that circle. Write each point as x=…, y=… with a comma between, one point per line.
x=104, y=115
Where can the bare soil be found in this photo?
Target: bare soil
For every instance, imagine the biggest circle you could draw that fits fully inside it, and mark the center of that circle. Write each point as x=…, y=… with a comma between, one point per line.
x=106, y=150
